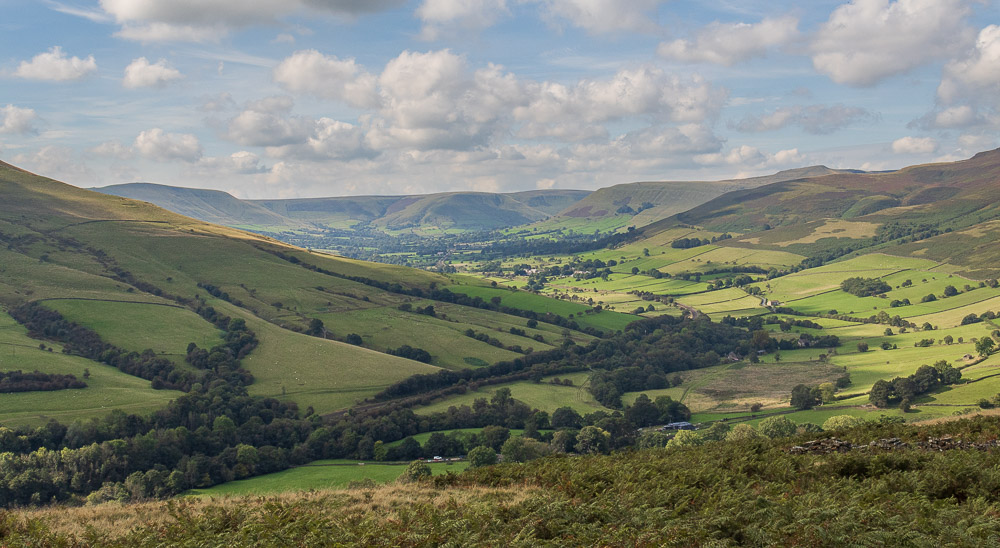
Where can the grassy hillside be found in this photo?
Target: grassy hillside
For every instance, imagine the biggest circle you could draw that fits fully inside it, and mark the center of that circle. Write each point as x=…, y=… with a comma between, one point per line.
x=107, y=388
x=639, y=204
x=211, y=206
x=322, y=474
x=124, y=269
x=443, y=211
x=943, y=212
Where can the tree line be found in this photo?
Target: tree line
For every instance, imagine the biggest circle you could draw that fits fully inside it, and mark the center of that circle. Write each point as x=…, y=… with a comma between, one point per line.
x=18, y=381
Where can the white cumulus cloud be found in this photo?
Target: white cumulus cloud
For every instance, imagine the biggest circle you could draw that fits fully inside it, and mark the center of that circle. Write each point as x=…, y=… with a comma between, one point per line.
x=976, y=74
x=866, y=41
x=729, y=43
x=210, y=20
x=441, y=15
x=55, y=66
x=112, y=149
x=325, y=76
x=238, y=163
x=914, y=145
x=157, y=144
x=603, y=16
x=269, y=122
x=141, y=74
x=646, y=91
x=17, y=120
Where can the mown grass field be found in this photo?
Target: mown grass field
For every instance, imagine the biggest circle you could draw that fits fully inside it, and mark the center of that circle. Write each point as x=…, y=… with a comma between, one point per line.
x=323, y=374
x=543, y=396
x=387, y=328
x=537, y=303
x=423, y=437
x=107, y=388
x=322, y=474
x=166, y=329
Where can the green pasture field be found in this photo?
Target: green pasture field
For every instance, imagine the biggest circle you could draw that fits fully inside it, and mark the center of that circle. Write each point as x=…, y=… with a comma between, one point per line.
x=718, y=257
x=828, y=277
x=387, y=328
x=424, y=436
x=726, y=295
x=747, y=306
x=577, y=224
x=542, y=396
x=324, y=374
x=498, y=325
x=628, y=282
x=24, y=275
x=107, y=388
x=954, y=316
x=165, y=329
x=980, y=299
x=537, y=303
x=319, y=475
x=865, y=369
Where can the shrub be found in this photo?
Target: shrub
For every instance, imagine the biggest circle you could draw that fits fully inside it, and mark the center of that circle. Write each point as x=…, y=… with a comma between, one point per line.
x=840, y=422
x=482, y=456
x=742, y=432
x=416, y=471
x=777, y=427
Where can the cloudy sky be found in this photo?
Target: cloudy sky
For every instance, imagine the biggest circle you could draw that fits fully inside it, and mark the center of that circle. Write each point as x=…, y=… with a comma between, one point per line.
x=298, y=98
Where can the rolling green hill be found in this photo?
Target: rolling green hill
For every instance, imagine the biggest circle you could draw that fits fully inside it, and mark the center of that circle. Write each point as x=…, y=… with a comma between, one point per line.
x=450, y=210
x=133, y=272
x=945, y=212
x=447, y=211
x=639, y=204
x=211, y=206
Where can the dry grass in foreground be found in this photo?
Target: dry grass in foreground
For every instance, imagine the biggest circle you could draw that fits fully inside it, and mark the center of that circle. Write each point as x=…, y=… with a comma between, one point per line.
x=941, y=420
x=113, y=520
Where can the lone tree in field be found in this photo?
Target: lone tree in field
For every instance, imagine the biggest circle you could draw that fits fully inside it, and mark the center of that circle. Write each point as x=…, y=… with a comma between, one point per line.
x=416, y=471
x=804, y=397
x=316, y=328
x=482, y=456
x=984, y=346
x=777, y=427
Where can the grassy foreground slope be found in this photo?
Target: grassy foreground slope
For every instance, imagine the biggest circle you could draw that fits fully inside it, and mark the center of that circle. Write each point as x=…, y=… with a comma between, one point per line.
x=755, y=492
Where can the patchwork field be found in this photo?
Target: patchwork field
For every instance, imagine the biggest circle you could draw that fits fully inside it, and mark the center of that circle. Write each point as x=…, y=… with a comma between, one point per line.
x=322, y=474
x=815, y=295
x=107, y=388
x=164, y=328
x=543, y=396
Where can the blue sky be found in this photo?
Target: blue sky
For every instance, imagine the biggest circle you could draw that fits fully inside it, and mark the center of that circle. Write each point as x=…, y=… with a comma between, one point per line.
x=299, y=98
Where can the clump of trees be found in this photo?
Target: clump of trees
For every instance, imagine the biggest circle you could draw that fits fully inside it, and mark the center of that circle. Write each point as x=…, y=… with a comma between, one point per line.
x=411, y=353
x=903, y=389
x=864, y=287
